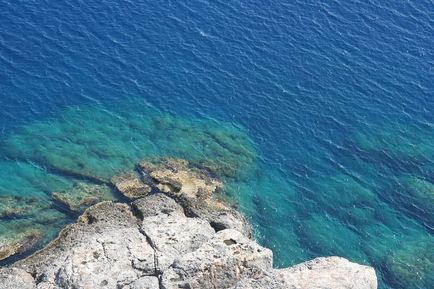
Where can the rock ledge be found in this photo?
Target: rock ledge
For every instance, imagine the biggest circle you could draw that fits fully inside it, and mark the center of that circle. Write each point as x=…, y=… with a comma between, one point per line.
x=176, y=237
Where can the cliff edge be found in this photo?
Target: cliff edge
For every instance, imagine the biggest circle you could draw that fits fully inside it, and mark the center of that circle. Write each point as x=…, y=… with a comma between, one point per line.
x=173, y=234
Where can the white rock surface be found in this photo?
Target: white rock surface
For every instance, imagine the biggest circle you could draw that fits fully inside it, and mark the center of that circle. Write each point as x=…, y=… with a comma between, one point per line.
x=156, y=242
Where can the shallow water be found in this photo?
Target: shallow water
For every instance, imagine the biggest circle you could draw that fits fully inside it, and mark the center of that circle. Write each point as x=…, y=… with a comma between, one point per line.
x=319, y=116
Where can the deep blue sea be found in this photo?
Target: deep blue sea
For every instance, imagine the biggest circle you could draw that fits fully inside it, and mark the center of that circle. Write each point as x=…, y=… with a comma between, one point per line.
x=321, y=114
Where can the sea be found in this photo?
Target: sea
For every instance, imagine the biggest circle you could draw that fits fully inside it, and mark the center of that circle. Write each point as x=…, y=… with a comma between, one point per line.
x=318, y=115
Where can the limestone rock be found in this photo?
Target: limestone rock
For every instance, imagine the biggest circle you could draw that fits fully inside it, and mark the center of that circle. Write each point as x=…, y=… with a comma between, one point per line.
x=225, y=218
x=96, y=252
x=175, y=235
x=328, y=272
x=194, y=190
x=16, y=279
x=146, y=282
x=157, y=204
x=180, y=239
x=169, y=231
x=175, y=177
x=130, y=185
x=219, y=263
x=323, y=272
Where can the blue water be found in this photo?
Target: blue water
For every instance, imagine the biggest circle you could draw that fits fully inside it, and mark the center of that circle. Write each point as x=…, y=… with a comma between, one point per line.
x=337, y=97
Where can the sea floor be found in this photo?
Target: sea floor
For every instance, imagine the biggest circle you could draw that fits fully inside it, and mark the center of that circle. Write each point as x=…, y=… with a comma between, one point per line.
x=369, y=199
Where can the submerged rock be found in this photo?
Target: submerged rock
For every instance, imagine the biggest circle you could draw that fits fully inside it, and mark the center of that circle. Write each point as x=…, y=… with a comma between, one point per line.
x=325, y=235
x=401, y=142
x=28, y=210
x=341, y=191
x=82, y=195
x=196, y=191
x=415, y=196
x=182, y=237
x=95, y=142
x=20, y=206
x=379, y=242
x=19, y=242
x=24, y=222
x=419, y=191
x=155, y=244
x=344, y=197
x=130, y=185
x=412, y=265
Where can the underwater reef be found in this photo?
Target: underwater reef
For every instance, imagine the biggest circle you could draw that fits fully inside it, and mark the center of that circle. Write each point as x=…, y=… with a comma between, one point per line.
x=52, y=170
x=371, y=204
x=401, y=142
x=394, y=160
x=76, y=143
x=366, y=200
x=180, y=236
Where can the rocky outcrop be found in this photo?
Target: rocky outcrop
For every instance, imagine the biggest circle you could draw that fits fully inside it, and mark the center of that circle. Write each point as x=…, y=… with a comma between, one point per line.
x=130, y=185
x=153, y=244
x=179, y=237
x=195, y=190
x=323, y=272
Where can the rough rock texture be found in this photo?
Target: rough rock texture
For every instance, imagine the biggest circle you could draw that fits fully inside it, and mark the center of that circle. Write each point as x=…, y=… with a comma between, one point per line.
x=219, y=263
x=18, y=206
x=319, y=273
x=130, y=185
x=16, y=278
x=19, y=242
x=153, y=244
x=96, y=252
x=161, y=241
x=23, y=221
x=194, y=190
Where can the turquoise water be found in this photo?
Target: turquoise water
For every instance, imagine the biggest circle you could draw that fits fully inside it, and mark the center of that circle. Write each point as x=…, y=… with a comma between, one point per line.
x=319, y=117
x=367, y=208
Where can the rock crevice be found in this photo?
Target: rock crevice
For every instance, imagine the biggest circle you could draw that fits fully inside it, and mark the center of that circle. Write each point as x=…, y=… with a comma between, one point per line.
x=180, y=237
